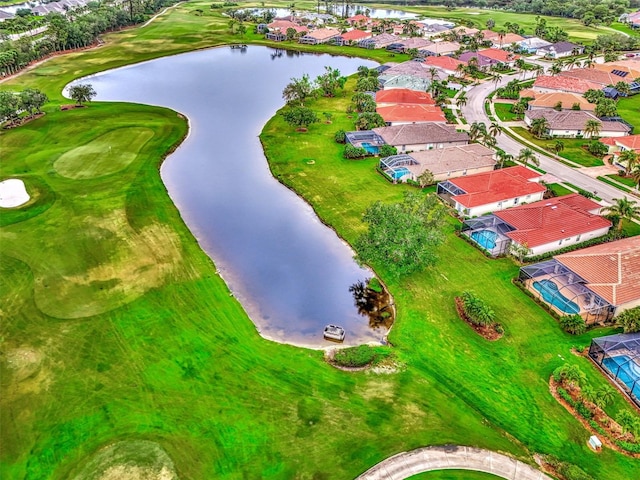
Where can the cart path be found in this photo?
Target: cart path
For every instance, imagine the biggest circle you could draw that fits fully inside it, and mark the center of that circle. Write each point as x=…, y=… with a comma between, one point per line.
x=451, y=457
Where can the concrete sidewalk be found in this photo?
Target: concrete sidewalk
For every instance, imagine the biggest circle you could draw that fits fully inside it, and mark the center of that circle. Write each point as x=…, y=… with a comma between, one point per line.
x=448, y=457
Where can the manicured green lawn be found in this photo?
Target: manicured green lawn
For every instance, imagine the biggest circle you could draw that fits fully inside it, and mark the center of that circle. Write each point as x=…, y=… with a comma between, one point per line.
x=116, y=326
x=629, y=109
x=572, y=148
x=503, y=111
x=614, y=184
x=629, y=182
x=559, y=189
x=453, y=475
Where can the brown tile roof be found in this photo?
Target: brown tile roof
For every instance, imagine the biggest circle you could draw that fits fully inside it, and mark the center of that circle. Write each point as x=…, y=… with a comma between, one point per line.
x=551, y=99
x=497, y=186
x=421, y=133
x=508, y=39
x=549, y=221
x=453, y=159
x=403, y=96
x=566, y=84
x=411, y=113
x=489, y=34
x=612, y=270
x=574, y=120
x=596, y=76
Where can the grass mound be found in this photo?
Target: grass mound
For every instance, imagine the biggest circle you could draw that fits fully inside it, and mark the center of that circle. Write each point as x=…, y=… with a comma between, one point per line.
x=107, y=154
x=360, y=356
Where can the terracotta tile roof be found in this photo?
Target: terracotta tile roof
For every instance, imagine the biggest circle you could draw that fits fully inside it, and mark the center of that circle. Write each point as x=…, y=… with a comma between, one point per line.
x=403, y=96
x=358, y=18
x=497, y=186
x=411, y=113
x=611, y=141
x=596, y=76
x=612, y=270
x=629, y=67
x=282, y=25
x=551, y=99
x=549, y=221
x=630, y=142
x=566, y=84
x=574, y=120
x=421, y=133
x=323, y=33
x=446, y=63
x=489, y=34
x=452, y=159
x=355, y=35
x=442, y=48
x=508, y=39
x=465, y=30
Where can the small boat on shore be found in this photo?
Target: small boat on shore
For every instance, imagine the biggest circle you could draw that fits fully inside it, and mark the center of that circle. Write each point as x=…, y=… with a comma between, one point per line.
x=238, y=46
x=334, y=332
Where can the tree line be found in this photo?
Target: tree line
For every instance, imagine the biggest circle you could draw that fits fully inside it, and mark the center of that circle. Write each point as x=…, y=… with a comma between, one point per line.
x=77, y=29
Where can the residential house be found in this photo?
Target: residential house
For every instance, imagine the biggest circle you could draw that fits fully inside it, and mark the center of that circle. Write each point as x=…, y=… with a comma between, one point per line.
x=617, y=145
x=410, y=114
x=598, y=282
x=432, y=30
x=558, y=83
x=565, y=100
x=560, y=50
x=440, y=48
x=379, y=41
x=464, y=31
x=532, y=44
x=359, y=21
x=489, y=35
x=277, y=30
x=595, y=75
x=321, y=35
x=489, y=57
x=411, y=82
x=416, y=43
x=571, y=123
x=410, y=74
x=448, y=65
x=352, y=37
x=482, y=193
x=421, y=136
x=443, y=163
x=400, y=96
x=5, y=16
x=506, y=40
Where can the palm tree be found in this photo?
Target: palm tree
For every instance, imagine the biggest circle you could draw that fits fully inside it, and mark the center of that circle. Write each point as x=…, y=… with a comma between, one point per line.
x=558, y=146
x=495, y=129
x=592, y=128
x=555, y=69
x=496, y=79
x=630, y=159
x=460, y=70
x=623, y=209
x=518, y=108
x=635, y=174
x=539, y=126
x=461, y=99
x=604, y=396
x=503, y=157
x=623, y=88
x=526, y=155
x=477, y=130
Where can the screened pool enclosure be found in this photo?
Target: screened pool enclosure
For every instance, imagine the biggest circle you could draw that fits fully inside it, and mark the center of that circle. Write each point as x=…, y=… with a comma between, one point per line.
x=619, y=358
x=396, y=167
x=489, y=233
x=565, y=291
x=366, y=139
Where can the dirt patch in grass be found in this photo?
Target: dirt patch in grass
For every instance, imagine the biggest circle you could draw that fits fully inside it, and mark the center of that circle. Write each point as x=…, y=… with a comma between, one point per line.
x=488, y=332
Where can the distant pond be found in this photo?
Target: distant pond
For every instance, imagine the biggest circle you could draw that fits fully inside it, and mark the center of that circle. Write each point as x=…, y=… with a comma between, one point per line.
x=291, y=273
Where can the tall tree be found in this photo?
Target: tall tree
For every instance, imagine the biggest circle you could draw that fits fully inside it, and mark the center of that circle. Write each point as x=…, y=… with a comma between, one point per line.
x=298, y=90
x=539, y=127
x=623, y=210
x=330, y=81
x=592, y=128
x=82, y=93
x=526, y=155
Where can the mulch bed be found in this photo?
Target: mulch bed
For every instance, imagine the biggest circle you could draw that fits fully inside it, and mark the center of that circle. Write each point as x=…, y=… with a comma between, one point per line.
x=23, y=120
x=488, y=332
x=613, y=430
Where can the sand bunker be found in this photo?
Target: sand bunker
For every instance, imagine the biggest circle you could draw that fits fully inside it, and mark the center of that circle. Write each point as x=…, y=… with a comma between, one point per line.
x=13, y=193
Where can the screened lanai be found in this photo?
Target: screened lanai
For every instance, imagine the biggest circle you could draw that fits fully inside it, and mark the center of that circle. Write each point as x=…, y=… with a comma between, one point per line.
x=488, y=232
x=565, y=291
x=619, y=358
x=367, y=139
x=446, y=190
x=396, y=166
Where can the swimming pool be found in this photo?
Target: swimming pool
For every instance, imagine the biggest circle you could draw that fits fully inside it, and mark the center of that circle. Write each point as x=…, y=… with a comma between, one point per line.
x=399, y=173
x=485, y=238
x=550, y=293
x=629, y=374
x=370, y=148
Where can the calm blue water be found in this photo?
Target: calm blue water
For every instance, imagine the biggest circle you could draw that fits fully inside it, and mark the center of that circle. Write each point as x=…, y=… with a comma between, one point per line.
x=399, y=173
x=629, y=374
x=370, y=148
x=550, y=293
x=485, y=238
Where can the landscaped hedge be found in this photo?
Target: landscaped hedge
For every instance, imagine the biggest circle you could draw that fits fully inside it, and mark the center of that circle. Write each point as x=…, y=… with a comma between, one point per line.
x=610, y=237
x=360, y=356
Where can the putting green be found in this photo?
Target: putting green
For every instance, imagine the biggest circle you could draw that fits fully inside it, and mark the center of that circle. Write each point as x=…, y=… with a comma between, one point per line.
x=107, y=154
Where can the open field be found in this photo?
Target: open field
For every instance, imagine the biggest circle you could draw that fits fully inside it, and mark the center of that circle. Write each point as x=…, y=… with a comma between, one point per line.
x=503, y=111
x=120, y=331
x=453, y=475
x=572, y=148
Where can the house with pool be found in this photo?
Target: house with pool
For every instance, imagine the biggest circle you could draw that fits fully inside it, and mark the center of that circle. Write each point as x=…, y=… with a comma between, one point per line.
x=619, y=358
x=539, y=227
x=443, y=163
x=598, y=282
x=482, y=193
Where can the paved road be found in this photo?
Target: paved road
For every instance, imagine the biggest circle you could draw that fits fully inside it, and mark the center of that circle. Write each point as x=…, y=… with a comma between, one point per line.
x=474, y=111
x=449, y=457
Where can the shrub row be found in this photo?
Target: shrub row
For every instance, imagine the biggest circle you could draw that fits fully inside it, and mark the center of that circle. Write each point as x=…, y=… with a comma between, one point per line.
x=360, y=356
x=628, y=446
x=579, y=406
x=610, y=237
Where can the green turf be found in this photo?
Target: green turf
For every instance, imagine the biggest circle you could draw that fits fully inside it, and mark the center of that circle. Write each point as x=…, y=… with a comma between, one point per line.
x=503, y=111
x=573, y=150
x=453, y=475
x=559, y=189
x=119, y=329
x=629, y=109
x=628, y=181
x=614, y=184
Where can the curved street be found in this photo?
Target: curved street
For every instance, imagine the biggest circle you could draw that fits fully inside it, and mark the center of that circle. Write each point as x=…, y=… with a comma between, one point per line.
x=474, y=111
x=451, y=457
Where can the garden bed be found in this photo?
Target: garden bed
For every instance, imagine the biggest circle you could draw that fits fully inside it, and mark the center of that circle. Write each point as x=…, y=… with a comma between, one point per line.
x=22, y=121
x=488, y=332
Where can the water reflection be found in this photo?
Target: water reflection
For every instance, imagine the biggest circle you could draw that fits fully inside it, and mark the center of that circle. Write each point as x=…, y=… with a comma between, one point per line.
x=373, y=301
x=290, y=272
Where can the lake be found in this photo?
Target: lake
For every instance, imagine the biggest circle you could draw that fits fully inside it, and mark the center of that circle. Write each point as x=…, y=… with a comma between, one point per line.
x=290, y=272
